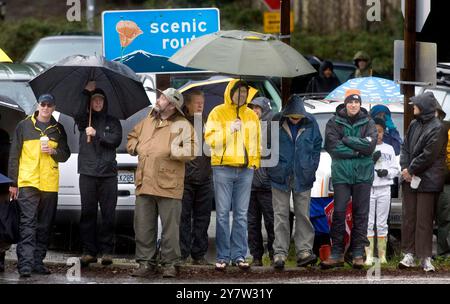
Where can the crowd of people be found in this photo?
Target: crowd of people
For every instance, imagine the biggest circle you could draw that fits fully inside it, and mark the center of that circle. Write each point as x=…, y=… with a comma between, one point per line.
x=176, y=179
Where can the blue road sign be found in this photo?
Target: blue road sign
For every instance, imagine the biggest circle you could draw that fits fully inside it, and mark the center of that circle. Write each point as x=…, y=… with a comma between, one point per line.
x=145, y=39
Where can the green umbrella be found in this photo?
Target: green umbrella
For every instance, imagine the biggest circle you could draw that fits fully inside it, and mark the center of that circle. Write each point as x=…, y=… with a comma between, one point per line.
x=243, y=53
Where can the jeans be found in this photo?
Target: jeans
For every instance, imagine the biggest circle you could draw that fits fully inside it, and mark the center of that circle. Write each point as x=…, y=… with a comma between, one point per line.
x=232, y=188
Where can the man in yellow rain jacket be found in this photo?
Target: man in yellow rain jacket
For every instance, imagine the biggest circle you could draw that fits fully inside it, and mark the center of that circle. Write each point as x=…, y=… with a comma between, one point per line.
x=39, y=144
x=233, y=133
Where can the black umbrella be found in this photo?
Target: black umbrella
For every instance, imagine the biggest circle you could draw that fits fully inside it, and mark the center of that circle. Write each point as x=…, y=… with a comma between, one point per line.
x=67, y=79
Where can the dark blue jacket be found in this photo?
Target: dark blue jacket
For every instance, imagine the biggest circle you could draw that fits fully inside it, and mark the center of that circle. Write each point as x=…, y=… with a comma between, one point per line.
x=299, y=159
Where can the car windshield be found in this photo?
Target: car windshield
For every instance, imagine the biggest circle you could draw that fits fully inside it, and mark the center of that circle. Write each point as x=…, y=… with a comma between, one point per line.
x=18, y=92
x=53, y=50
x=322, y=119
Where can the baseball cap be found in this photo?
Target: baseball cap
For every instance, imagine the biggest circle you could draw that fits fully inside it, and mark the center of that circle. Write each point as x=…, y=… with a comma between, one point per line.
x=174, y=97
x=47, y=98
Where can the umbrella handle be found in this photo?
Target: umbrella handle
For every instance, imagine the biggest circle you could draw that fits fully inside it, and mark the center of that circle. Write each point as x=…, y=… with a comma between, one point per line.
x=89, y=138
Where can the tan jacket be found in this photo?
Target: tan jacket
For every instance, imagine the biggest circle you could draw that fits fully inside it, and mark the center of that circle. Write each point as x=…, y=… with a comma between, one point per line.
x=162, y=146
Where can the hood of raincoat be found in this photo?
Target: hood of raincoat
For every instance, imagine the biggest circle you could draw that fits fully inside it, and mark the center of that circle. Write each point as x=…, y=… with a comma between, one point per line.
x=426, y=102
x=379, y=109
x=325, y=65
x=361, y=55
x=295, y=105
x=264, y=104
x=239, y=148
x=227, y=95
x=105, y=101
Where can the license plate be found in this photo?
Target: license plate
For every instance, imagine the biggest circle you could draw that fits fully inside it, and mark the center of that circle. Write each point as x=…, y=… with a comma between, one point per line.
x=125, y=177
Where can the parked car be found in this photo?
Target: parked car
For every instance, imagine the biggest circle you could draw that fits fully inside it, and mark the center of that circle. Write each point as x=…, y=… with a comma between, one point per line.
x=16, y=97
x=51, y=49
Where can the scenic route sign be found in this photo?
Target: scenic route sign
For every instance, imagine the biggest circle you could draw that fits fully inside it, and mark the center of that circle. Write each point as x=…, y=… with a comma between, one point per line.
x=145, y=39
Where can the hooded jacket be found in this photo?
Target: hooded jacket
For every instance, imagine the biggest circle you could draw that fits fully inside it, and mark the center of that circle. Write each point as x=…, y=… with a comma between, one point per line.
x=298, y=157
x=361, y=55
x=351, y=146
x=28, y=166
x=321, y=84
x=424, y=149
x=261, y=179
x=391, y=135
x=233, y=149
x=98, y=158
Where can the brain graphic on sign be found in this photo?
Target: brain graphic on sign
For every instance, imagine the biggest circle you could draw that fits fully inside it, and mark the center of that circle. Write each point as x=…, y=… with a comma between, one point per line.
x=128, y=31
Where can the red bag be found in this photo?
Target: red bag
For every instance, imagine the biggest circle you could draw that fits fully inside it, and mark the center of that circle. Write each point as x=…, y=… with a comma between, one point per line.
x=329, y=209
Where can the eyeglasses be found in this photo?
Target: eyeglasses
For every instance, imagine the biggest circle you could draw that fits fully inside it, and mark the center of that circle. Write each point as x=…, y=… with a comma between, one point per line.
x=45, y=104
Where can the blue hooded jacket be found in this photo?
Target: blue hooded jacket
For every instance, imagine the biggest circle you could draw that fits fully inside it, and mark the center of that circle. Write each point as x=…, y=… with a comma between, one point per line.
x=298, y=157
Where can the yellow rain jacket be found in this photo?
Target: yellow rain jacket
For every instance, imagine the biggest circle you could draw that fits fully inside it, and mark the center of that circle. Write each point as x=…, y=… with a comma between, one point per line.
x=238, y=149
x=28, y=166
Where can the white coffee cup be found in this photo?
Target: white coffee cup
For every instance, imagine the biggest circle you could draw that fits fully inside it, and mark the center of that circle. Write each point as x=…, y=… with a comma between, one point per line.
x=415, y=182
x=44, y=141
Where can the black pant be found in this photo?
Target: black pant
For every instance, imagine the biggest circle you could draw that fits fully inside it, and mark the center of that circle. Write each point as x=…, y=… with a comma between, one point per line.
x=37, y=212
x=360, y=194
x=260, y=205
x=195, y=217
x=96, y=191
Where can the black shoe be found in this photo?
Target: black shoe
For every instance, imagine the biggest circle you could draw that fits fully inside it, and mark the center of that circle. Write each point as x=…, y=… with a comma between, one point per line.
x=201, y=261
x=257, y=262
x=310, y=259
x=41, y=269
x=25, y=273
x=107, y=260
x=2, y=262
x=87, y=259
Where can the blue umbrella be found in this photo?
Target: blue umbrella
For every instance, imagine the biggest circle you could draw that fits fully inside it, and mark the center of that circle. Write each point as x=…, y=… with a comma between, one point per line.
x=373, y=90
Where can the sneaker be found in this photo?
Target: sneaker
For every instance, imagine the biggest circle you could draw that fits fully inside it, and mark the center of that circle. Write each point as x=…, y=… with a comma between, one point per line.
x=41, y=269
x=358, y=262
x=144, y=270
x=202, y=261
x=278, y=262
x=407, y=262
x=306, y=258
x=107, y=260
x=169, y=272
x=332, y=263
x=87, y=259
x=25, y=273
x=257, y=262
x=427, y=266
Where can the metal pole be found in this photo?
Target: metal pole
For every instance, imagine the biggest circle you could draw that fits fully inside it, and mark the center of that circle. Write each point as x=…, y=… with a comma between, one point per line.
x=409, y=71
x=90, y=12
x=285, y=27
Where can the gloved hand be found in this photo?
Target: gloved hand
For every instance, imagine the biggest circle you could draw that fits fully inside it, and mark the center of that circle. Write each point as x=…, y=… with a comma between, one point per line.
x=376, y=156
x=389, y=123
x=382, y=172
